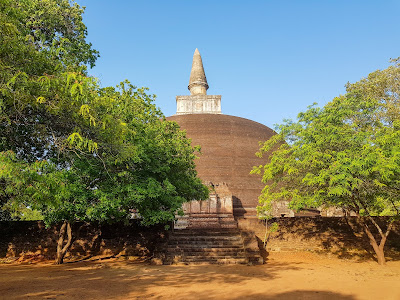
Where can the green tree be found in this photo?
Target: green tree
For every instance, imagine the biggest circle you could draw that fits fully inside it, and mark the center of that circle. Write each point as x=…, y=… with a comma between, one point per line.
x=74, y=151
x=345, y=155
x=265, y=213
x=40, y=41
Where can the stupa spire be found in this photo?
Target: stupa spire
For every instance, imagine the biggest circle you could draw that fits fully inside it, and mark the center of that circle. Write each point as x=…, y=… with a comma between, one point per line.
x=198, y=102
x=198, y=82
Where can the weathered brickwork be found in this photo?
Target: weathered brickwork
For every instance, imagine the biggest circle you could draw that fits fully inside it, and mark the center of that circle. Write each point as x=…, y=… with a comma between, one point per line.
x=336, y=235
x=31, y=239
x=228, y=147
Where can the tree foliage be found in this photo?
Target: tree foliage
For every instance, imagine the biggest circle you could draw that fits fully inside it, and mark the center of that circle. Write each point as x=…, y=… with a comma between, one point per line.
x=70, y=149
x=345, y=155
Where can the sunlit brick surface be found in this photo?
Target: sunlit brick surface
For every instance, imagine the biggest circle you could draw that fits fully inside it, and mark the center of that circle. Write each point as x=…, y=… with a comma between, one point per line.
x=228, y=146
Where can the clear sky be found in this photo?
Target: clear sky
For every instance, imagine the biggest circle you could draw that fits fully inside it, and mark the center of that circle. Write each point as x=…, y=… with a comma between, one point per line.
x=268, y=59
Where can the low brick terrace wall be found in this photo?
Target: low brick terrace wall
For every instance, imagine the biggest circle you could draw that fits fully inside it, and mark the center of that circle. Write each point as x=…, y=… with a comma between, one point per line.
x=338, y=236
x=335, y=235
x=24, y=239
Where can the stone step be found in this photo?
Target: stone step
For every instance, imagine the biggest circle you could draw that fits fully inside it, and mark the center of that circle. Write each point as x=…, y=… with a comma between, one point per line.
x=213, y=260
x=208, y=254
x=211, y=226
x=203, y=235
x=205, y=225
x=205, y=250
x=208, y=232
x=206, y=238
x=211, y=215
x=210, y=223
x=206, y=244
x=213, y=222
x=211, y=218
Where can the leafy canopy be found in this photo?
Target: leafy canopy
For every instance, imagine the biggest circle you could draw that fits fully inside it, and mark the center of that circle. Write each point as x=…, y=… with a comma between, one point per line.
x=71, y=149
x=346, y=154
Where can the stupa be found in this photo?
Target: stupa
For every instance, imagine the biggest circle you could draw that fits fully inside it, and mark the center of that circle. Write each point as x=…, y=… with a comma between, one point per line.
x=228, y=143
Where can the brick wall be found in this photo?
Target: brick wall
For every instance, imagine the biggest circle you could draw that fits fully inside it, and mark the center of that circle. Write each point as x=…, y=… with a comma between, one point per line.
x=332, y=235
x=336, y=235
x=33, y=239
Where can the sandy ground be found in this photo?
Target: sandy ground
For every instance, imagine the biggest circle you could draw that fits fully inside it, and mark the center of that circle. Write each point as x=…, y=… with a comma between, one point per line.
x=285, y=276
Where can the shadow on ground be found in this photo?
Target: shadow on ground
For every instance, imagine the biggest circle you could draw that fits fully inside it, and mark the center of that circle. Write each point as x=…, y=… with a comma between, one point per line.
x=300, y=295
x=94, y=280
x=292, y=295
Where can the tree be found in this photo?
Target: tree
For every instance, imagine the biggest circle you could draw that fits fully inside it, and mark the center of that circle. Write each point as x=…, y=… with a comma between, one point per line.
x=265, y=213
x=41, y=41
x=346, y=155
x=75, y=151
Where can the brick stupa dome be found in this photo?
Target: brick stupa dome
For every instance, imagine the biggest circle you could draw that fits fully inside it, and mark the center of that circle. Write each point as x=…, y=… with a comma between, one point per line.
x=228, y=147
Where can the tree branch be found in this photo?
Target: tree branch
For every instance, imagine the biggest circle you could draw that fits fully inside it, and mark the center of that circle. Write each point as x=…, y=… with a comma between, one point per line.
x=372, y=219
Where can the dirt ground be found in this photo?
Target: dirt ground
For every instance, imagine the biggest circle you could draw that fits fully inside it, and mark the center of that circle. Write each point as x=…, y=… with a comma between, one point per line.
x=285, y=276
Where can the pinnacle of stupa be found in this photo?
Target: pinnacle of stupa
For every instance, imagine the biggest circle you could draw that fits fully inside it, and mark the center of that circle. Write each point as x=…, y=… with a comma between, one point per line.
x=198, y=82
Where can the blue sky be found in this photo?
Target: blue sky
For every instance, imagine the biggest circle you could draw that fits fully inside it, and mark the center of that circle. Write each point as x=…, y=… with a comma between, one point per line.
x=268, y=59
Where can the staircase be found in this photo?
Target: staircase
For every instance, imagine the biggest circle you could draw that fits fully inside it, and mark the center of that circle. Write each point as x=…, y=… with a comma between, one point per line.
x=209, y=233
x=214, y=246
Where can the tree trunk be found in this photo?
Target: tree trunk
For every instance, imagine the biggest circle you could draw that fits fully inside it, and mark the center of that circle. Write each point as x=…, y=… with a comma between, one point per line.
x=380, y=254
x=266, y=233
x=61, y=251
